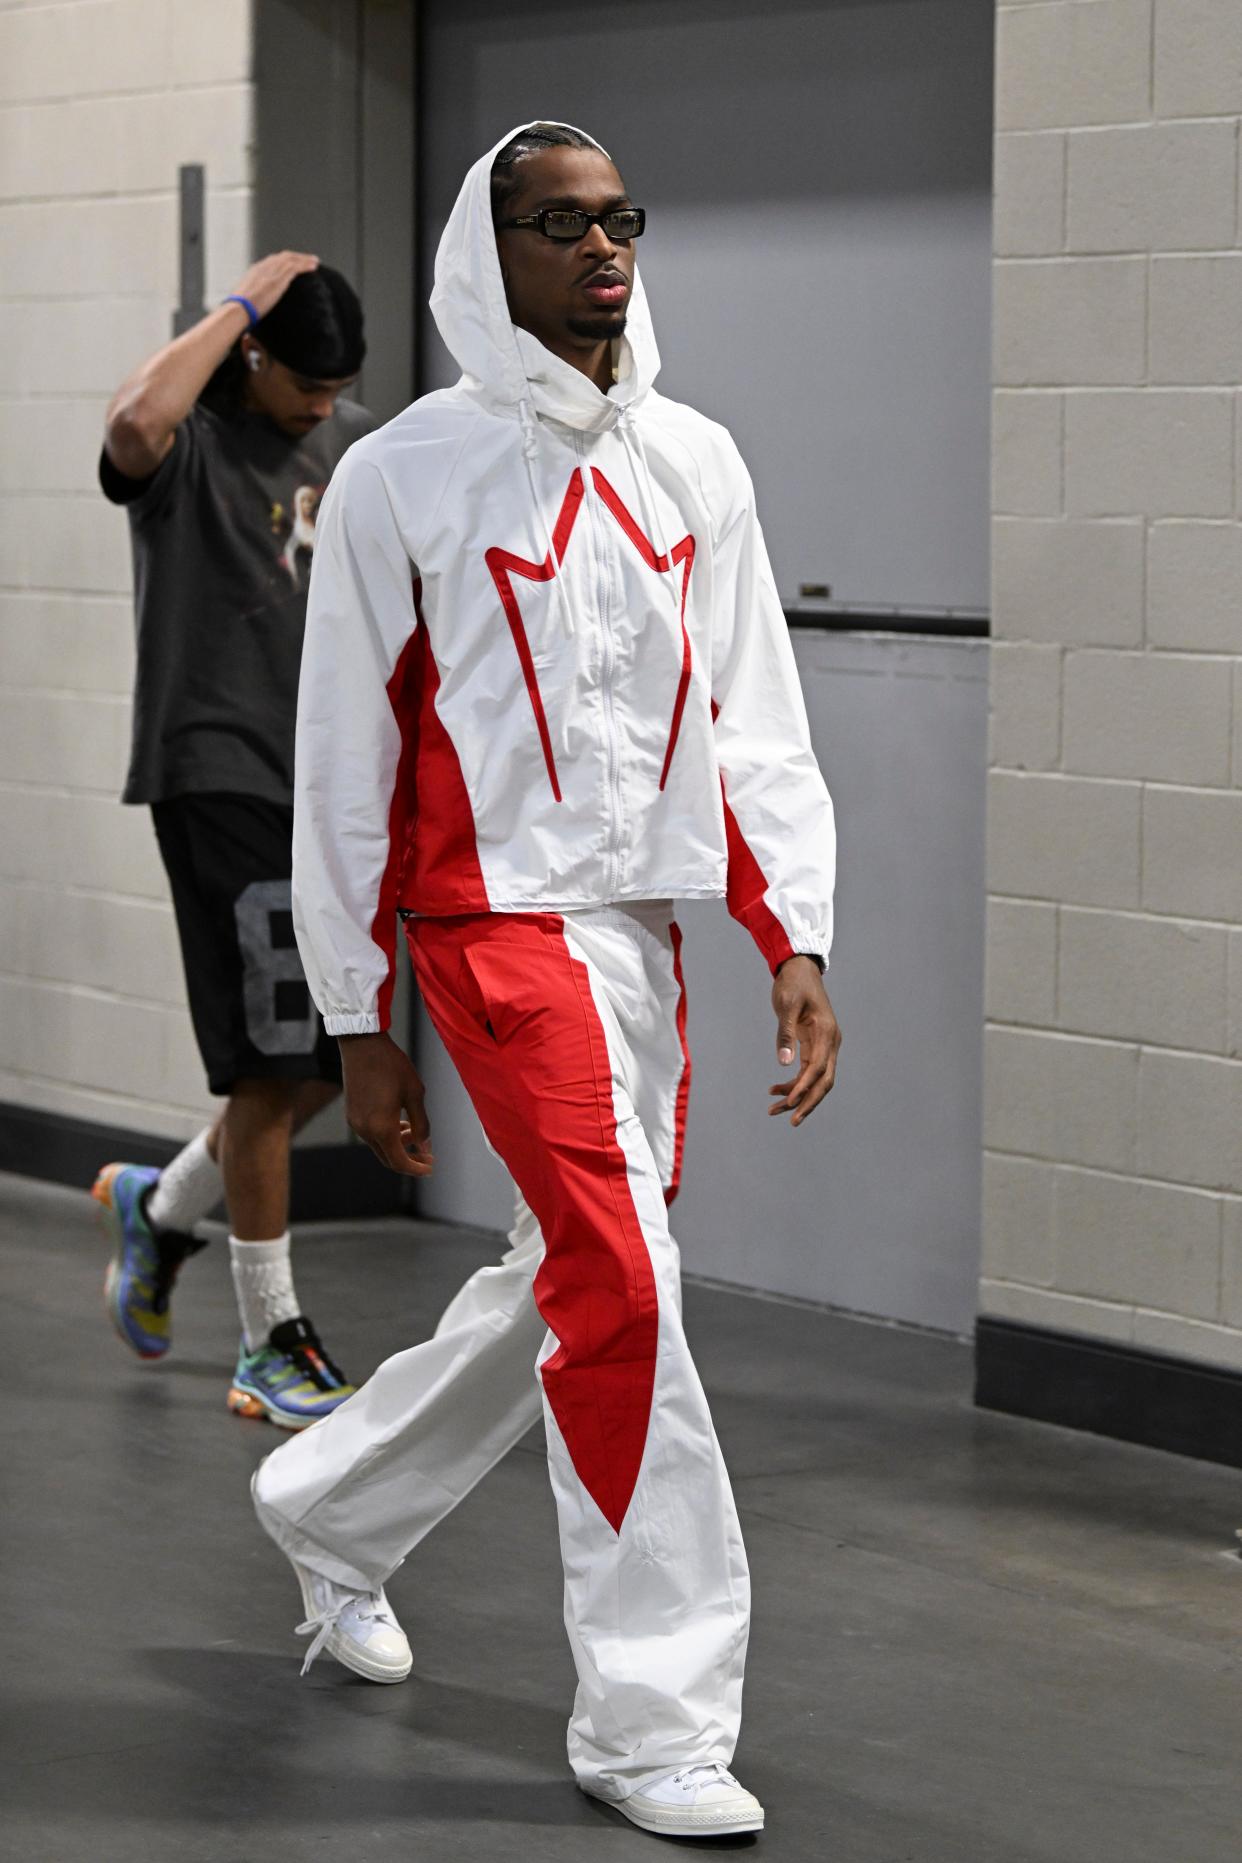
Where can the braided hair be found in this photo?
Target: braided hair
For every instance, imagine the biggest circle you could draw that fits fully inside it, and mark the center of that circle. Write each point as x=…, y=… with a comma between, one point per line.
x=505, y=182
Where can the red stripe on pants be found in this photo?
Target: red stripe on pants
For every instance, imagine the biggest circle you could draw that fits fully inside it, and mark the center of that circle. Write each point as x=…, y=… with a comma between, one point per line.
x=514, y=1008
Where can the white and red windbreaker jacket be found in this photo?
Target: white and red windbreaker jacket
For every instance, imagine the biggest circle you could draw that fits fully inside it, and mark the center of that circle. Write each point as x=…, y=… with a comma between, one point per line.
x=545, y=663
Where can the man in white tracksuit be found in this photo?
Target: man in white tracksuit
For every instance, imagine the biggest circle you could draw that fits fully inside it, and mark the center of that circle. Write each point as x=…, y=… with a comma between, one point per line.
x=547, y=688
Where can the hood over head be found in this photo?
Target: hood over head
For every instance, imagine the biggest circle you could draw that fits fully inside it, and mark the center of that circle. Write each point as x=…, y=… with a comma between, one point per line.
x=472, y=315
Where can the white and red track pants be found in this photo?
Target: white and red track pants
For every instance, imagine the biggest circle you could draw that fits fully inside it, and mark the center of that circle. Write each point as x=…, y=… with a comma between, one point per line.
x=569, y=1033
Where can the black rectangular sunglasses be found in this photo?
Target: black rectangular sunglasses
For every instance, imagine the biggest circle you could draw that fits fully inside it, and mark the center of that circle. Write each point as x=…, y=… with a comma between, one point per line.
x=570, y=223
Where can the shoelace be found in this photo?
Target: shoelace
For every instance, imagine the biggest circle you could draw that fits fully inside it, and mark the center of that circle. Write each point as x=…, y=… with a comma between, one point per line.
x=320, y=1627
x=716, y=1771
x=314, y=1369
x=298, y=1342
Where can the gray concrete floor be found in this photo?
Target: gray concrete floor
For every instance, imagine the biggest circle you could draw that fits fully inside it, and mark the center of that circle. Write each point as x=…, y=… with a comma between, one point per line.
x=976, y=1640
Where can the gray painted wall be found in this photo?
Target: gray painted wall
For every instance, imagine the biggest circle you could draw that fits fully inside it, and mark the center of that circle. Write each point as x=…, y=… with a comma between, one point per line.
x=334, y=162
x=818, y=260
x=874, y=1204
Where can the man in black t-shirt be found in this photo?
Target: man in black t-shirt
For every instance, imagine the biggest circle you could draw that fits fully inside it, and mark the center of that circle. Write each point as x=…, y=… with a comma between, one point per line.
x=220, y=447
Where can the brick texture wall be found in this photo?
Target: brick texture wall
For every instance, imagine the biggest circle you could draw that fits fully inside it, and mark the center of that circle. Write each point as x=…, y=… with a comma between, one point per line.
x=1113, y=1078
x=100, y=100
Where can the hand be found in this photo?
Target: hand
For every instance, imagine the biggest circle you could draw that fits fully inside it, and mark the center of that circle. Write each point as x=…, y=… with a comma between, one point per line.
x=803, y=1014
x=268, y=279
x=380, y=1084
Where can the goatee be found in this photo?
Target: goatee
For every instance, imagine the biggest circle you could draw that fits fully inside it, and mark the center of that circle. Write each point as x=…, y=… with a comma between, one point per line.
x=604, y=327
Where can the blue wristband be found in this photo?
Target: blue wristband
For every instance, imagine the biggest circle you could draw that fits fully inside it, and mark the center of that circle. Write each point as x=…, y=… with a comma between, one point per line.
x=235, y=297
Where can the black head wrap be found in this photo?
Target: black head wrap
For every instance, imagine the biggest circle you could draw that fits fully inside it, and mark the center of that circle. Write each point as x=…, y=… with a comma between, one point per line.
x=316, y=327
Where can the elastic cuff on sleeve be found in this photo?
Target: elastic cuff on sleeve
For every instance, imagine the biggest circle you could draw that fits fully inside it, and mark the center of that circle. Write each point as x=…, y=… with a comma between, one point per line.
x=805, y=937
x=353, y=1025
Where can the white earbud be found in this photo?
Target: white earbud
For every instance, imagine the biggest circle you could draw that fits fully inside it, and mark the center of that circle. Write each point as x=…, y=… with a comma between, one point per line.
x=253, y=359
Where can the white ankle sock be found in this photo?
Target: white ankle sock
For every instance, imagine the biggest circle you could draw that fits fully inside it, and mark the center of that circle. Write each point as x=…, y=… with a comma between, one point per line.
x=263, y=1279
x=188, y=1188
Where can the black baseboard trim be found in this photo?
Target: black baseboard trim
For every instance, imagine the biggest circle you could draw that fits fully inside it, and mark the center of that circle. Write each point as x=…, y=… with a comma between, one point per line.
x=331, y=1183
x=1110, y=1390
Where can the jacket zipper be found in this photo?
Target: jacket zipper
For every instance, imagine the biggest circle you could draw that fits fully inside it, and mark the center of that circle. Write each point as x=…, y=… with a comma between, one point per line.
x=607, y=668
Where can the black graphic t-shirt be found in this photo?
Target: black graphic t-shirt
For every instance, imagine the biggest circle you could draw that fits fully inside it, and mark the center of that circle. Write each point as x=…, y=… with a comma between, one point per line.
x=222, y=538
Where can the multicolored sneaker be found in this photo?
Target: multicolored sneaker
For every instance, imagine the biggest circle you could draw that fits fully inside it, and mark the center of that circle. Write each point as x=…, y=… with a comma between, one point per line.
x=144, y=1265
x=291, y=1380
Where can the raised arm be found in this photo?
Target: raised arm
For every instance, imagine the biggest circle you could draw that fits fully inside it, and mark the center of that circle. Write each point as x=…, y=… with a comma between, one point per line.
x=150, y=404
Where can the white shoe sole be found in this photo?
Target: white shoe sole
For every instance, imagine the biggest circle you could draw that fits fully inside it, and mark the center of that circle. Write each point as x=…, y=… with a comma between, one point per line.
x=347, y=1653
x=668, y=1821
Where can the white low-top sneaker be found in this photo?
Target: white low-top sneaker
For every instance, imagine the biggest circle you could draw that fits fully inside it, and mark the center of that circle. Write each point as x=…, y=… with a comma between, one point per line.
x=698, y=1801
x=357, y=1627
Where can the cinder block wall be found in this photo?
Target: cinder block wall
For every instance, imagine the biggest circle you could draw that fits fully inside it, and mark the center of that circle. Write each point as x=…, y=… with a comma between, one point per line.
x=100, y=100
x=1113, y=1170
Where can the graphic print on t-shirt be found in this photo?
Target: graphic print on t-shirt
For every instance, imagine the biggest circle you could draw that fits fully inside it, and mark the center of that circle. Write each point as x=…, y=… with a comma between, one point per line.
x=298, y=532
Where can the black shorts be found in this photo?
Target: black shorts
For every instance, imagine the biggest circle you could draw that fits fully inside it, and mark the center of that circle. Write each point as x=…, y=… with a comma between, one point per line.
x=229, y=860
